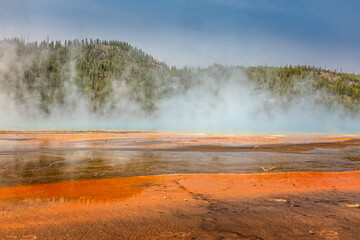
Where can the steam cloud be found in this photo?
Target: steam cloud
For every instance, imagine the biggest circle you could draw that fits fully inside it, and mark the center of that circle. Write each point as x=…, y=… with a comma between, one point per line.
x=224, y=104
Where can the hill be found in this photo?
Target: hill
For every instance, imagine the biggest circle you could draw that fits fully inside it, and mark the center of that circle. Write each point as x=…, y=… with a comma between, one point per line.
x=104, y=73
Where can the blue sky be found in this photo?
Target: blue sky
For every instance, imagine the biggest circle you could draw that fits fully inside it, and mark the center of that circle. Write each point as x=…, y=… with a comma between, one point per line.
x=202, y=32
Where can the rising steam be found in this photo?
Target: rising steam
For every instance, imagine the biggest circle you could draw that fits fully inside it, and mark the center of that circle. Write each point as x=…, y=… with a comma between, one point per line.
x=225, y=102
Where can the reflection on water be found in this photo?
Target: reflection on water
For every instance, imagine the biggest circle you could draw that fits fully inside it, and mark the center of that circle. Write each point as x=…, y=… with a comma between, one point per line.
x=92, y=167
x=25, y=168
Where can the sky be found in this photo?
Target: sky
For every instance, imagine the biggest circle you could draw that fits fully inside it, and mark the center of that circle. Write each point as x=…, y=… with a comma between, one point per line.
x=324, y=33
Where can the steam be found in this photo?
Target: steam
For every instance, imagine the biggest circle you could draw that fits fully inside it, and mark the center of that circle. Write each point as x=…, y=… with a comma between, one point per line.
x=220, y=102
x=235, y=105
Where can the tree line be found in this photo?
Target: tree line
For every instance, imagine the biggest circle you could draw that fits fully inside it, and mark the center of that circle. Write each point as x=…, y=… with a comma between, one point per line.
x=95, y=68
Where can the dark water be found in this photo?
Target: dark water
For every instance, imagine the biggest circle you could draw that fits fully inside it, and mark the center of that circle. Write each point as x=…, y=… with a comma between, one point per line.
x=45, y=163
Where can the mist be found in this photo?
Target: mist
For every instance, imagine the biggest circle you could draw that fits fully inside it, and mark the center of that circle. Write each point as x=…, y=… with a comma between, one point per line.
x=217, y=101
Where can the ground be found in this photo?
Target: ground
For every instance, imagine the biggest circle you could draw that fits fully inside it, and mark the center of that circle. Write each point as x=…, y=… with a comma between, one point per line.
x=49, y=189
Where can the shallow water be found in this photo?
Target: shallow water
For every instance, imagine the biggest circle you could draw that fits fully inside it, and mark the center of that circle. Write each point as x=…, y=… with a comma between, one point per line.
x=31, y=159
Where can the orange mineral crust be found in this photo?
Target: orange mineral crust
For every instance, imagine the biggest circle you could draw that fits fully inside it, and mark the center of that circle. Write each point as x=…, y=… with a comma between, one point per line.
x=257, y=185
x=188, y=138
x=304, y=205
x=219, y=185
x=170, y=141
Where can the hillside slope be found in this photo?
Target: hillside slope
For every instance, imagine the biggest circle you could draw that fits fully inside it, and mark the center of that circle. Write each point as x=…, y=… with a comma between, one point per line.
x=102, y=73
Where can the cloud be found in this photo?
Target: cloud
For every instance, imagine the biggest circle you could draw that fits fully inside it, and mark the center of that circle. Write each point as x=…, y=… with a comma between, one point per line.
x=227, y=32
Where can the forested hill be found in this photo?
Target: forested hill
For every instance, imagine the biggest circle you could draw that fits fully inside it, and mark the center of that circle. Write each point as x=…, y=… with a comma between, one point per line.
x=104, y=72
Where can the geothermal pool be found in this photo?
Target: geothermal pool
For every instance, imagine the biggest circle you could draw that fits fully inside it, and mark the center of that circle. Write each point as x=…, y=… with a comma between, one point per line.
x=145, y=185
